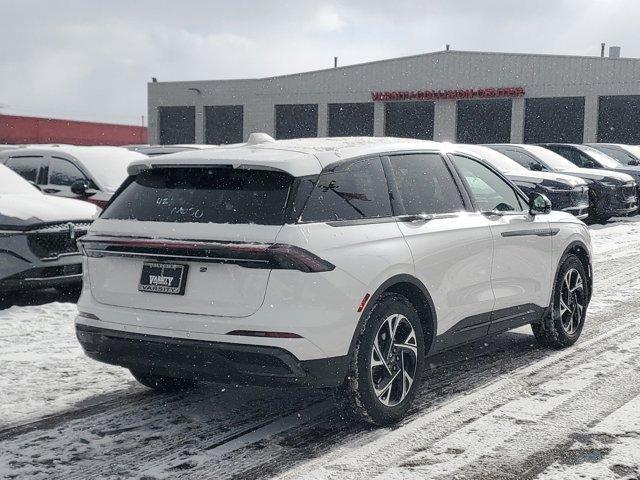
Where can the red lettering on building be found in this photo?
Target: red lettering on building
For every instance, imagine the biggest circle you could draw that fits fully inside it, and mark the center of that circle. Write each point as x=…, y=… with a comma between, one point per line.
x=458, y=94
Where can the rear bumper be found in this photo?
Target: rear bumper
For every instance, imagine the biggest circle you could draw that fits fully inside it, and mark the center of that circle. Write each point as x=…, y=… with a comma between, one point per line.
x=210, y=361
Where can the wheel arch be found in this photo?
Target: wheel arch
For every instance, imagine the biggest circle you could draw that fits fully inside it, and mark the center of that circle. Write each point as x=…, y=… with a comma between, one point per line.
x=580, y=250
x=414, y=291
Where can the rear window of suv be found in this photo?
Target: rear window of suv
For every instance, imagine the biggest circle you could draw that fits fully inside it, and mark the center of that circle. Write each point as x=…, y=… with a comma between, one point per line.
x=204, y=195
x=349, y=191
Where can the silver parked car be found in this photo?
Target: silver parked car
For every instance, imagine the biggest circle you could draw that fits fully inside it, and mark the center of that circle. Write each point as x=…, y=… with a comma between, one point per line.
x=38, y=236
x=91, y=174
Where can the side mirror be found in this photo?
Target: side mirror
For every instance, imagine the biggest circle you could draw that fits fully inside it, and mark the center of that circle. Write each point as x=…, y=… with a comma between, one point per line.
x=536, y=167
x=80, y=187
x=633, y=163
x=590, y=164
x=539, y=204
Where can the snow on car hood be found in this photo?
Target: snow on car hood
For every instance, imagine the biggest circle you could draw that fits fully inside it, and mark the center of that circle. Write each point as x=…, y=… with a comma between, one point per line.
x=597, y=174
x=539, y=177
x=22, y=211
x=630, y=170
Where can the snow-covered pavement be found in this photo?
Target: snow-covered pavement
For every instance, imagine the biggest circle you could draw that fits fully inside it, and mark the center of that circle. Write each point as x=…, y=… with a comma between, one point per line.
x=494, y=410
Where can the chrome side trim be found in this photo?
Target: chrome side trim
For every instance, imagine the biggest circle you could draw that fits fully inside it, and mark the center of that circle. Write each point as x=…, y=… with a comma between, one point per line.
x=539, y=232
x=46, y=279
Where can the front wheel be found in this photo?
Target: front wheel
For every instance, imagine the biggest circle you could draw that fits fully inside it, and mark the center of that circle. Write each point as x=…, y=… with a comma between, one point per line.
x=387, y=363
x=562, y=327
x=72, y=290
x=161, y=383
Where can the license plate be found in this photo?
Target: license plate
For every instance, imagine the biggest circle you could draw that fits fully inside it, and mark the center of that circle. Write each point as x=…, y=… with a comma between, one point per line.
x=166, y=278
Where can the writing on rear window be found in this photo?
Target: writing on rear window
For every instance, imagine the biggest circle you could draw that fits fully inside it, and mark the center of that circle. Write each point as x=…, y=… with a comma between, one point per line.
x=204, y=195
x=181, y=210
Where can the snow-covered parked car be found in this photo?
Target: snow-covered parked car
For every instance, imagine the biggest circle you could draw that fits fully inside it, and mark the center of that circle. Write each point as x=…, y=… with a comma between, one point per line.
x=38, y=236
x=568, y=194
x=339, y=262
x=625, y=154
x=611, y=193
x=85, y=173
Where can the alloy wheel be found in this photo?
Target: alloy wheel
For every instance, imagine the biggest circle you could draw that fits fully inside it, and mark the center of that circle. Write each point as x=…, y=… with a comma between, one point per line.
x=572, y=301
x=394, y=358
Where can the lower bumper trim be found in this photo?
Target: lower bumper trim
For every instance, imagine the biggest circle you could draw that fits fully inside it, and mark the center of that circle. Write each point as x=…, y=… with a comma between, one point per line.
x=35, y=283
x=209, y=361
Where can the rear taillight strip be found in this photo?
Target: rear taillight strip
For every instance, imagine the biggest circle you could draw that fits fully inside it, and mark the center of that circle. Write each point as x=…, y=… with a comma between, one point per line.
x=89, y=252
x=250, y=255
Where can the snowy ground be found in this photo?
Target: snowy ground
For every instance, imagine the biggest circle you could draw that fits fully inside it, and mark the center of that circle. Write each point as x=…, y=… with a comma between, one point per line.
x=500, y=409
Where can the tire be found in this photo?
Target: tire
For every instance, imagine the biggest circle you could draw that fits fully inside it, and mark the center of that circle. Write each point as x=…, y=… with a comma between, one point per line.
x=595, y=216
x=161, y=383
x=561, y=328
x=72, y=290
x=369, y=394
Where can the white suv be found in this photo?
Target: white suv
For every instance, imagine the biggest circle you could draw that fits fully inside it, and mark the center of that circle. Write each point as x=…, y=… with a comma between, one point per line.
x=337, y=262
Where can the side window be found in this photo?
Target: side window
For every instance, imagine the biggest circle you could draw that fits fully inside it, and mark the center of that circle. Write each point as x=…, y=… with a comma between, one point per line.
x=63, y=172
x=26, y=167
x=525, y=160
x=574, y=156
x=490, y=191
x=425, y=184
x=620, y=155
x=349, y=192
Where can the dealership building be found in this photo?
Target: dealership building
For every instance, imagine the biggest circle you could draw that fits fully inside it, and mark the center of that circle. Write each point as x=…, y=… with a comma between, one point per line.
x=467, y=97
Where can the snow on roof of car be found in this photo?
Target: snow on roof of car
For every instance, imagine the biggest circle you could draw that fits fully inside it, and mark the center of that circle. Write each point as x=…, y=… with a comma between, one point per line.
x=106, y=165
x=298, y=157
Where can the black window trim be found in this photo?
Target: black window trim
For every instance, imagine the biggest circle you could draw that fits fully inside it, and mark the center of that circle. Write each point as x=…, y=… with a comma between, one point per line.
x=519, y=193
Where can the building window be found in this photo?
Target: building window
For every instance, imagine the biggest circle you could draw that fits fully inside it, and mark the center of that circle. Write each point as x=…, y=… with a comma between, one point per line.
x=409, y=120
x=296, y=121
x=350, y=119
x=554, y=120
x=483, y=121
x=223, y=124
x=177, y=125
x=618, y=119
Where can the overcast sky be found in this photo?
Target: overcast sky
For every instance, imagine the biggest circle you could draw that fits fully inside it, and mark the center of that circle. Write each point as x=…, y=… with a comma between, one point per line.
x=92, y=59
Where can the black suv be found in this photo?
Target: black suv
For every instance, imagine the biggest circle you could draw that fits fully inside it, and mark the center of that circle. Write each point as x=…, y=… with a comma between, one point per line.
x=585, y=156
x=611, y=193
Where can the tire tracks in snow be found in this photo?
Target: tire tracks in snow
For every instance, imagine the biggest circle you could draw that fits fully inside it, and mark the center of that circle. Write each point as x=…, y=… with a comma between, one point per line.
x=182, y=436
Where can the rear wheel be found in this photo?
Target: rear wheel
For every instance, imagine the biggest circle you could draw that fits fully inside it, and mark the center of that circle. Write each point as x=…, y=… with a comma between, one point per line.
x=387, y=363
x=72, y=290
x=161, y=383
x=569, y=307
